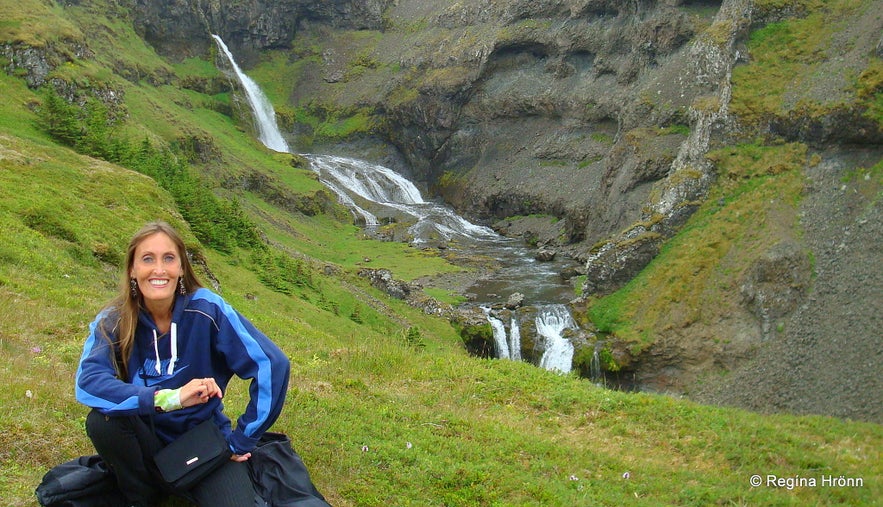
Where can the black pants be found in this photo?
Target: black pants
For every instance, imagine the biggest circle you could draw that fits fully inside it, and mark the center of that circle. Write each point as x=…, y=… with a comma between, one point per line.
x=127, y=445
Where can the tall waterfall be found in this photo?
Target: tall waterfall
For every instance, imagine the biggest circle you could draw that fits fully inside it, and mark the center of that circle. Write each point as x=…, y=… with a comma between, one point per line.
x=366, y=189
x=265, y=116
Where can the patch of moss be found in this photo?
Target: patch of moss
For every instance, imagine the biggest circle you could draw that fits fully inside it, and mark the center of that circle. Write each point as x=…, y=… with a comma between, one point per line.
x=869, y=88
x=706, y=104
x=608, y=362
x=786, y=55
x=719, y=32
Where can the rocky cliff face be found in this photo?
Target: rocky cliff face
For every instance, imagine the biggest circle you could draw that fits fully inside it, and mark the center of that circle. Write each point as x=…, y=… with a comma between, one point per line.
x=567, y=108
x=558, y=108
x=597, y=113
x=181, y=28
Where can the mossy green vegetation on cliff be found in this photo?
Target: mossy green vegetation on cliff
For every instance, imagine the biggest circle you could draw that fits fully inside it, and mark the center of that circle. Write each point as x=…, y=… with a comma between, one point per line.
x=753, y=206
x=807, y=78
x=385, y=406
x=794, y=65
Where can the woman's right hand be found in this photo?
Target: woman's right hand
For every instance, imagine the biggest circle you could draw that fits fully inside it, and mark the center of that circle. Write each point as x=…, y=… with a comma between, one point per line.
x=199, y=391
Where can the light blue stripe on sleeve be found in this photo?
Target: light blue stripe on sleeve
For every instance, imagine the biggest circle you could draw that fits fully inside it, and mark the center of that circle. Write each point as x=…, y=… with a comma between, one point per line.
x=255, y=352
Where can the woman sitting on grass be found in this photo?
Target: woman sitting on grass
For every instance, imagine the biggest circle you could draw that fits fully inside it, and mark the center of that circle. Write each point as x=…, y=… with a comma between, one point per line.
x=157, y=362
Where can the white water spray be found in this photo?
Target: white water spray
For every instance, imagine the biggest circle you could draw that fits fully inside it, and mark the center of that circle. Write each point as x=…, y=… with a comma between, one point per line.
x=514, y=339
x=265, y=116
x=499, y=335
x=551, y=322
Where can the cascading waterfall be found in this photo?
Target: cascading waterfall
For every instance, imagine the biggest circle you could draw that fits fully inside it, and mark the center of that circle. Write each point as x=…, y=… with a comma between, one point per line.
x=551, y=322
x=508, y=345
x=369, y=181
x=499, y=335
x=386, y=191
x=265, y=115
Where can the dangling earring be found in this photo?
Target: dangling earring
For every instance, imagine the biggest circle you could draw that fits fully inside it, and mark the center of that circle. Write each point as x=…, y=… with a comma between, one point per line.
x=181, y=289
x=133, y=286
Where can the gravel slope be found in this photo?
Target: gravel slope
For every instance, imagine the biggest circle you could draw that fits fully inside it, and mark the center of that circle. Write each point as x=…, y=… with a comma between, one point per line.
x=828, y=359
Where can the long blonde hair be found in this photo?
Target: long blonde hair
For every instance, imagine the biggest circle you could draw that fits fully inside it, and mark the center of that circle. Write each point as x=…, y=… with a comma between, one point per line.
x=126, y=306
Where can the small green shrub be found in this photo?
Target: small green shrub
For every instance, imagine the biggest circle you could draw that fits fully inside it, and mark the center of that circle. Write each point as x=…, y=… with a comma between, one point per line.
x=414, y=338
x=608, y=362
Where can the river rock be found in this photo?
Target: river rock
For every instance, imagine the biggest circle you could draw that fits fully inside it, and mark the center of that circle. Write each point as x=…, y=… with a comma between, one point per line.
x=545, y=255
x=515, y=301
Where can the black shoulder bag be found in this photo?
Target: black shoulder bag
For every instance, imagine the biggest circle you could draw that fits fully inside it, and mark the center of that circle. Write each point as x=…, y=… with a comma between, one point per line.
x=192, y=456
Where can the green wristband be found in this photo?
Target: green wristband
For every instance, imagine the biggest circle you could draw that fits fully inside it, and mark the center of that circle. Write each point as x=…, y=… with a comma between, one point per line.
x=167, y=400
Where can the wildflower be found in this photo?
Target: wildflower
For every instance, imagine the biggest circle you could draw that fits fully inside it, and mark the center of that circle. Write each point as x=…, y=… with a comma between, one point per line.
x=29, y=394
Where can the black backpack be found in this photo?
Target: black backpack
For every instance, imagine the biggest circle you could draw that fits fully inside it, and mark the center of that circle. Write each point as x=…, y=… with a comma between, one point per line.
x=82, y=482
x=279, y=475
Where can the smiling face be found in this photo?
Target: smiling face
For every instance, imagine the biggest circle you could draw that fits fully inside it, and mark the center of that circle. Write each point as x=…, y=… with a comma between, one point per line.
x=156, y=267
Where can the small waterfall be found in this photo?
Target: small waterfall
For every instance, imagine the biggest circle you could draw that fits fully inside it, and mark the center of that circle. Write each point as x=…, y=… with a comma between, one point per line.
x=499, y=334
x=265, y=116
x=595, y=373
x=514, y=338
x=551, y=322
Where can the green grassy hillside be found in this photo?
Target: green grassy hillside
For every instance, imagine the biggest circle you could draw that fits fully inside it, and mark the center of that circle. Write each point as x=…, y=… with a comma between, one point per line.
x=381, y=415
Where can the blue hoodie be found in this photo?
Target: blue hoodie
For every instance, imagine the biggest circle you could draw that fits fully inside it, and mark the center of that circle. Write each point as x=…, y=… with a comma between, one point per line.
x=208, y=338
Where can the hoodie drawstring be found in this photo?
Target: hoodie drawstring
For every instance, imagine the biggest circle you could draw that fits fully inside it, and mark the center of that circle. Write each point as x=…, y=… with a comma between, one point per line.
x=174, y=358
x=156, y=351
x=174, y=347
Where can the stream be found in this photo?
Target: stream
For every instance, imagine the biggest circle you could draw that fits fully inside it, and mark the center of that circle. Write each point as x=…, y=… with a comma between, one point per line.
x=375, y=195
